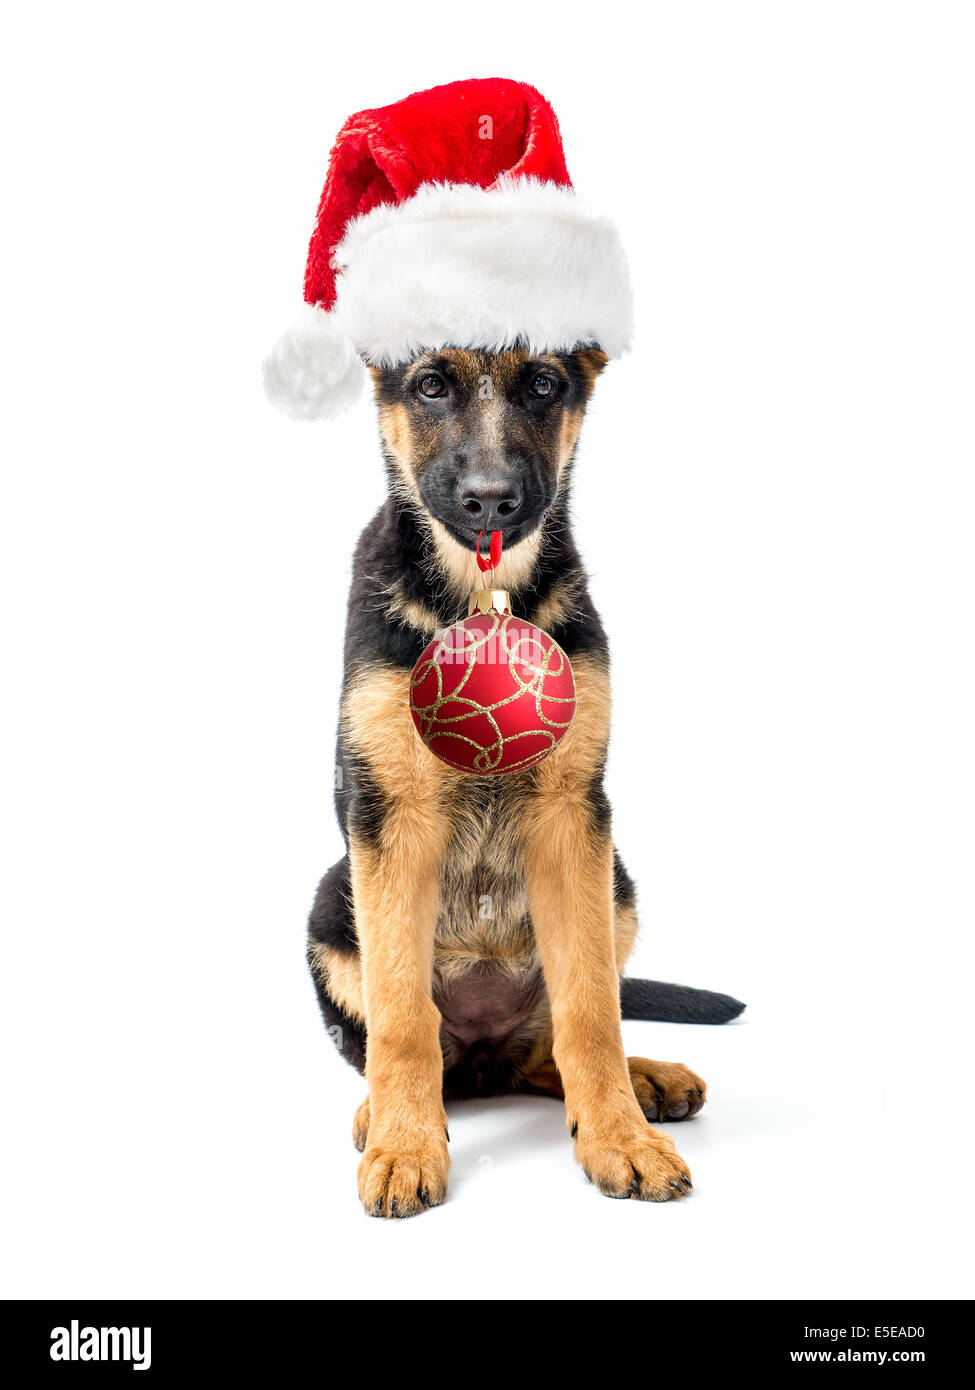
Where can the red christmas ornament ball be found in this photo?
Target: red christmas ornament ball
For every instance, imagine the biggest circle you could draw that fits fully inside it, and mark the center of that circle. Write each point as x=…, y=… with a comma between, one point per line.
x=492, y=694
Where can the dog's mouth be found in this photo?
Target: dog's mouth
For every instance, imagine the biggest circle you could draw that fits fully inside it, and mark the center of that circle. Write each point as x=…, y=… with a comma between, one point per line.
x=466, y=535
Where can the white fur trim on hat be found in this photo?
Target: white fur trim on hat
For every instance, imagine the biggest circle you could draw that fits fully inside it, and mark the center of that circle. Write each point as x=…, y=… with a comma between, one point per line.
x=314, y=371
x=524, y=262
x=461, y=266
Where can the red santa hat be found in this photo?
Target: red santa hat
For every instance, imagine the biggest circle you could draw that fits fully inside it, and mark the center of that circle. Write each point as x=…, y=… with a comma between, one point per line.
x=448, y=220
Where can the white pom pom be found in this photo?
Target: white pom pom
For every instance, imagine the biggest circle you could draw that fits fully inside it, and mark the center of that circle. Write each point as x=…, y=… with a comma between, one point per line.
x=314, y=371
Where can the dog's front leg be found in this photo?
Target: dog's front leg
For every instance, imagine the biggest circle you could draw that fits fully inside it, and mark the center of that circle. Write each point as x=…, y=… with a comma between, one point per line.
x=395, y=884
x=569, y=867
x=398, y=828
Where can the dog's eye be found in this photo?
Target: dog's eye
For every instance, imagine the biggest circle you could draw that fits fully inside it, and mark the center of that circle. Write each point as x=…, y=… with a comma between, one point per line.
x=543, y=386
x=431, y=386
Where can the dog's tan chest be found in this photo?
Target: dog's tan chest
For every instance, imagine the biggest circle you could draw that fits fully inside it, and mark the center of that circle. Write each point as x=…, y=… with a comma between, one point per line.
x=483, y=911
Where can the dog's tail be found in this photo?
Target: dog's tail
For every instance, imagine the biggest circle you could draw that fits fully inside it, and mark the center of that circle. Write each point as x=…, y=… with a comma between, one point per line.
x=650, y=999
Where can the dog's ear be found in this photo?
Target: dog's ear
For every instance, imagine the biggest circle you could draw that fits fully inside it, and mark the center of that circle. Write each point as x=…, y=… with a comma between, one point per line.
x=591, y=362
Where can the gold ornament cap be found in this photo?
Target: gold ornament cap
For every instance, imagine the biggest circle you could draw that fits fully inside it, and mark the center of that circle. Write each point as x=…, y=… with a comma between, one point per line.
x=488, y=600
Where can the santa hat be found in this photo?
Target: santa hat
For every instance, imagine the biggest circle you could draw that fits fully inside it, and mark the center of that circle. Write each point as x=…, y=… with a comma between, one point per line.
x=448, y=220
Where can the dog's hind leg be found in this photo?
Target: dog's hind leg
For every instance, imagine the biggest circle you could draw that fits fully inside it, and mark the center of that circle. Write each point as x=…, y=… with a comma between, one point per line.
x=664, y=1090
x=333, y=958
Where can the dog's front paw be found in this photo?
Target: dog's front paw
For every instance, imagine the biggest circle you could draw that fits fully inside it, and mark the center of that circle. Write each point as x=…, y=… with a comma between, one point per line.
x=633, y=1162
x=402, y=1176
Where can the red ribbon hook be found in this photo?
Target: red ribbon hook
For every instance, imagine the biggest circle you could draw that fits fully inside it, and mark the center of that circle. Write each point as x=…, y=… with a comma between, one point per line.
x=495, y=555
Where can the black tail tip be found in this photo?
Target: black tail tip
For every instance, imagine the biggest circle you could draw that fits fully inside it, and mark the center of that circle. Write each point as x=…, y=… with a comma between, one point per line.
x=726, y=1007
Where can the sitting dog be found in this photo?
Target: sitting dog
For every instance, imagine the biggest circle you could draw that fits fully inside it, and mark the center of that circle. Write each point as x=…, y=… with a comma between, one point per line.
x=472, y=940
x=524, y=996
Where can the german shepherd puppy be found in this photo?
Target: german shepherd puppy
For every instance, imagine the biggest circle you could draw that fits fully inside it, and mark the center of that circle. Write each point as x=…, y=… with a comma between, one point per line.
x=472, y=940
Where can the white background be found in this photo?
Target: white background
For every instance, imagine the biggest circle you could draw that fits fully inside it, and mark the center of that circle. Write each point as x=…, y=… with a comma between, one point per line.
x=775, y=502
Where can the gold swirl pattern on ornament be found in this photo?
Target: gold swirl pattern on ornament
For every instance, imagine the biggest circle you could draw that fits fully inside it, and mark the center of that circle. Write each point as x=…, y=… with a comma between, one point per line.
x=487, y=759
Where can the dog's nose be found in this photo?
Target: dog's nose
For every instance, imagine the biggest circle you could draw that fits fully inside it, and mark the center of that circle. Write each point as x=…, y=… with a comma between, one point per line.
x=491, y=503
